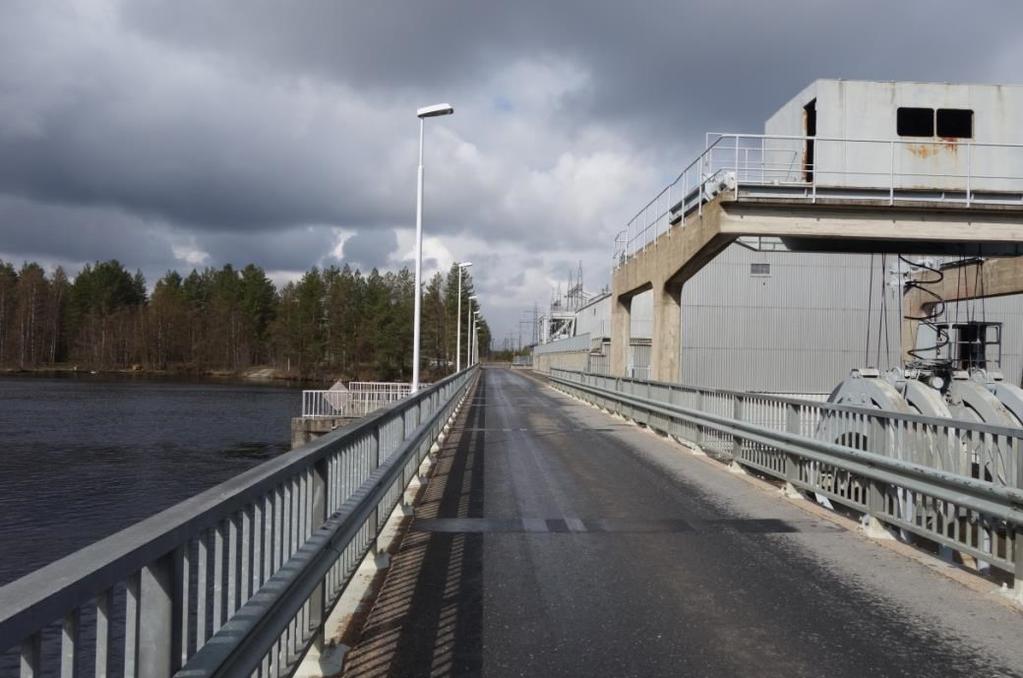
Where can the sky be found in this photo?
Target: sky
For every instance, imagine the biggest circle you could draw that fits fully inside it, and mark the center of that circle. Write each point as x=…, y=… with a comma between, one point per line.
x=172, y=134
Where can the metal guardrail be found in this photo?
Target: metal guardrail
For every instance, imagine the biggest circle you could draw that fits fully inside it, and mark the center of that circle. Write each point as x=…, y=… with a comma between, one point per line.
x=903, y=170
x=237, y=580
x=952, y=482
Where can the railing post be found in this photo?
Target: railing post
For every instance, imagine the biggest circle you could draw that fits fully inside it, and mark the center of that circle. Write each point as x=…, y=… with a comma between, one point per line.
x=969, y=175
x=736, y=167
x=159, y=604
x=1017, y=541
x=891, y=174
x=318, y=515
x=374, y=520
x=738, y=405
x=701, y=405
x=793, y=426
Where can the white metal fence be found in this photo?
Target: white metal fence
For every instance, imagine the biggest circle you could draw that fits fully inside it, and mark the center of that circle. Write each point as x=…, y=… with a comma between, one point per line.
x=360, y=398
x=895, y=171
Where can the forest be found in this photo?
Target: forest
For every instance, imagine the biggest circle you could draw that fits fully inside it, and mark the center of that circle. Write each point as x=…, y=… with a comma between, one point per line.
x=332, y=323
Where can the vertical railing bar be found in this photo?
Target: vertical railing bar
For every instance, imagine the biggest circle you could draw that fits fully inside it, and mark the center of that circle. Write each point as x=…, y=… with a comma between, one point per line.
x=29, y=657
x=201, y=582
x=102, y=644
x=131, y=626
x=69, y=644
x=184, y=569
x=218, y=575
x=233, y=553
x=248, y=539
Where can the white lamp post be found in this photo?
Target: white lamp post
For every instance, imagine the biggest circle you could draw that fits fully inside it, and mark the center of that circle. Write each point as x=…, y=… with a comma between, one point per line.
x=422, y=114
x=458, y=331
x=475, y=339
x=468, y=331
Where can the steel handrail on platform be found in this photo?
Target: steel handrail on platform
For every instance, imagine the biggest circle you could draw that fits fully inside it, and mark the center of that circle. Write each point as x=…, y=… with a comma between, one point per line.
x=891, y=171
x=952, y=482
x=241, y=575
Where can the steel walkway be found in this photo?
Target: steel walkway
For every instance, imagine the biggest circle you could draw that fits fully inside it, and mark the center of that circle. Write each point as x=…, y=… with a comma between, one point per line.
x=555, y=540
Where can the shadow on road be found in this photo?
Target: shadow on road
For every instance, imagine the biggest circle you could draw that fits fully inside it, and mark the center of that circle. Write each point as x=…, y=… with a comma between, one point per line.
x=428, y=618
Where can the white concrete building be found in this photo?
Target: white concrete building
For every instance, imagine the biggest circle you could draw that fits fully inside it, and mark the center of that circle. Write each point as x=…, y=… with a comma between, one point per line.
x=914, y=133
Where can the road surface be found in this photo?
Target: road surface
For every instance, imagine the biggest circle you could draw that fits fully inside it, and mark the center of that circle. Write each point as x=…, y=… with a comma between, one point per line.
x=555, y=540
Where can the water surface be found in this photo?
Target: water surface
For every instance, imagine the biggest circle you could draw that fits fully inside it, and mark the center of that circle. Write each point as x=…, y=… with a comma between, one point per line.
x=83, y=457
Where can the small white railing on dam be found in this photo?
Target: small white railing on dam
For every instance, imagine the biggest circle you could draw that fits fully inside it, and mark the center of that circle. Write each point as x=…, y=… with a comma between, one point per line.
x=357, y=400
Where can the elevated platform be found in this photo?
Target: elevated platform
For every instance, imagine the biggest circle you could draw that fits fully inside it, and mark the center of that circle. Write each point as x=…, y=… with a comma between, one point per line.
x=720, y=200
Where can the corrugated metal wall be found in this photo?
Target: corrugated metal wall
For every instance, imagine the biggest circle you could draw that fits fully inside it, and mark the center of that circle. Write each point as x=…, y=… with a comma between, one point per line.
x=1009, y=312
x=801, y=328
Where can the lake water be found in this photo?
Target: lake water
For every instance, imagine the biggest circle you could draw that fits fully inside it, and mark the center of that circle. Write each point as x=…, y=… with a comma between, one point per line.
x=83, y=457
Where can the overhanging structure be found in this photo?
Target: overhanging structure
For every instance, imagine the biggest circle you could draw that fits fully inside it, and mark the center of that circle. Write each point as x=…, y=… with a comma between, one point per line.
x=754, y=189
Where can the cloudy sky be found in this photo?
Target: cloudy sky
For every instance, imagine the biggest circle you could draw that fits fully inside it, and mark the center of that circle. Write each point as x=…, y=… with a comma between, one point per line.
x=181, y=133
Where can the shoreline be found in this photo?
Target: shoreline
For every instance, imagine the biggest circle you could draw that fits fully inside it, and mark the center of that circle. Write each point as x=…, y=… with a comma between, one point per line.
x=258, y=375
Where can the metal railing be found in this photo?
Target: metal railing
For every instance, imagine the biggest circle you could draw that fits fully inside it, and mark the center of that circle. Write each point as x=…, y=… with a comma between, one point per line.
x=237, y=580
x=894, y=171
x=359, y=399
x=956, y=483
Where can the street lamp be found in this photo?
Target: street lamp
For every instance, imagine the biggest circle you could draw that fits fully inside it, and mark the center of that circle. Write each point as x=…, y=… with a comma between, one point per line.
x=422, y=114
x=468, y=333
x=475, y=339
x=458, y=331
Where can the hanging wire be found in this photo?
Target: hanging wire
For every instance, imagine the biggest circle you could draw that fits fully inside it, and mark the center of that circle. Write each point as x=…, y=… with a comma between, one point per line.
x=880, y=316
x=902, y=294
x=884, y=312
x=870, y=308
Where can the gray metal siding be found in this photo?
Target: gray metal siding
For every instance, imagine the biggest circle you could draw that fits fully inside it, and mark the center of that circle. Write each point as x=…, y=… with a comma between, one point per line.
x=800, y=329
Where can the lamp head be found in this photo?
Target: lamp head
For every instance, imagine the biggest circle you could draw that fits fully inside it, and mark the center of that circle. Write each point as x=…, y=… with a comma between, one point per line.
x=465, y=264
x=435, y=110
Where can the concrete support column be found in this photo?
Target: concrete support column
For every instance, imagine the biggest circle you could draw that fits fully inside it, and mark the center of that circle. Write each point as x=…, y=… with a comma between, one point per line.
x=621, y=331
x=666, y=349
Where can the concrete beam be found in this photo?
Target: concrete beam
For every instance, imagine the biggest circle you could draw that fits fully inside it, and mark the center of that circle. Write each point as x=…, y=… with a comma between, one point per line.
x=833, y=225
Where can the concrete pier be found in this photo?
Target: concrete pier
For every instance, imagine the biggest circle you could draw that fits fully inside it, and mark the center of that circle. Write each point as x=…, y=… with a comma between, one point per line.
x=306, y=429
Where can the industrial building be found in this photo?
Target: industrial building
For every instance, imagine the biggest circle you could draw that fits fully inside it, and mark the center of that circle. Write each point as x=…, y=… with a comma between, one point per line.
x=775, y=314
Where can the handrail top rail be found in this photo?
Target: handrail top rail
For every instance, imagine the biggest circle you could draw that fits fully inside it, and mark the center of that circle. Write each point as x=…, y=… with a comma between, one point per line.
x=102, y=564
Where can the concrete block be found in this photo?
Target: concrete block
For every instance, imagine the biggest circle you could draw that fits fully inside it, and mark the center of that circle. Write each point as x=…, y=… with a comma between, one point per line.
x=875, y=529
x=328, y=661
x=790, y=491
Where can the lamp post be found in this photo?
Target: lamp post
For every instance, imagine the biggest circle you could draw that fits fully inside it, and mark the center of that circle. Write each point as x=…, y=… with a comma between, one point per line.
x=458, y=331
x=468, y=332
x=422, y=114
x=475, y=339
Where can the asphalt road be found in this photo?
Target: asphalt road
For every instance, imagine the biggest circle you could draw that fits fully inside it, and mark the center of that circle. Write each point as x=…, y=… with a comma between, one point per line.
x=555, y=540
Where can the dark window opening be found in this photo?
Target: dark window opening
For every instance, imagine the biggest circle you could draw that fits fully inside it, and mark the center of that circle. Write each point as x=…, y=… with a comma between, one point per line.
x=955, y=123
x=760, y=269
x=915, y=122
x=810, y=123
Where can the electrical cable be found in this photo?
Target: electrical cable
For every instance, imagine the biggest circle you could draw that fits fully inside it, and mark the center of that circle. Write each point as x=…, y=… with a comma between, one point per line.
x=870, y=302
x=932, y=311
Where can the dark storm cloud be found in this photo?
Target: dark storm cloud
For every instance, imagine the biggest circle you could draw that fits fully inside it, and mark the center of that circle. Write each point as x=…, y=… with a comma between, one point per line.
x=58, y=233
x=670, y=67
x=168, y=133
x=288, y=250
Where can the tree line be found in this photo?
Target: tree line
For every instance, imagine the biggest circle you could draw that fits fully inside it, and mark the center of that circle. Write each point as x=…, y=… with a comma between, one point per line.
x=334, y=322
